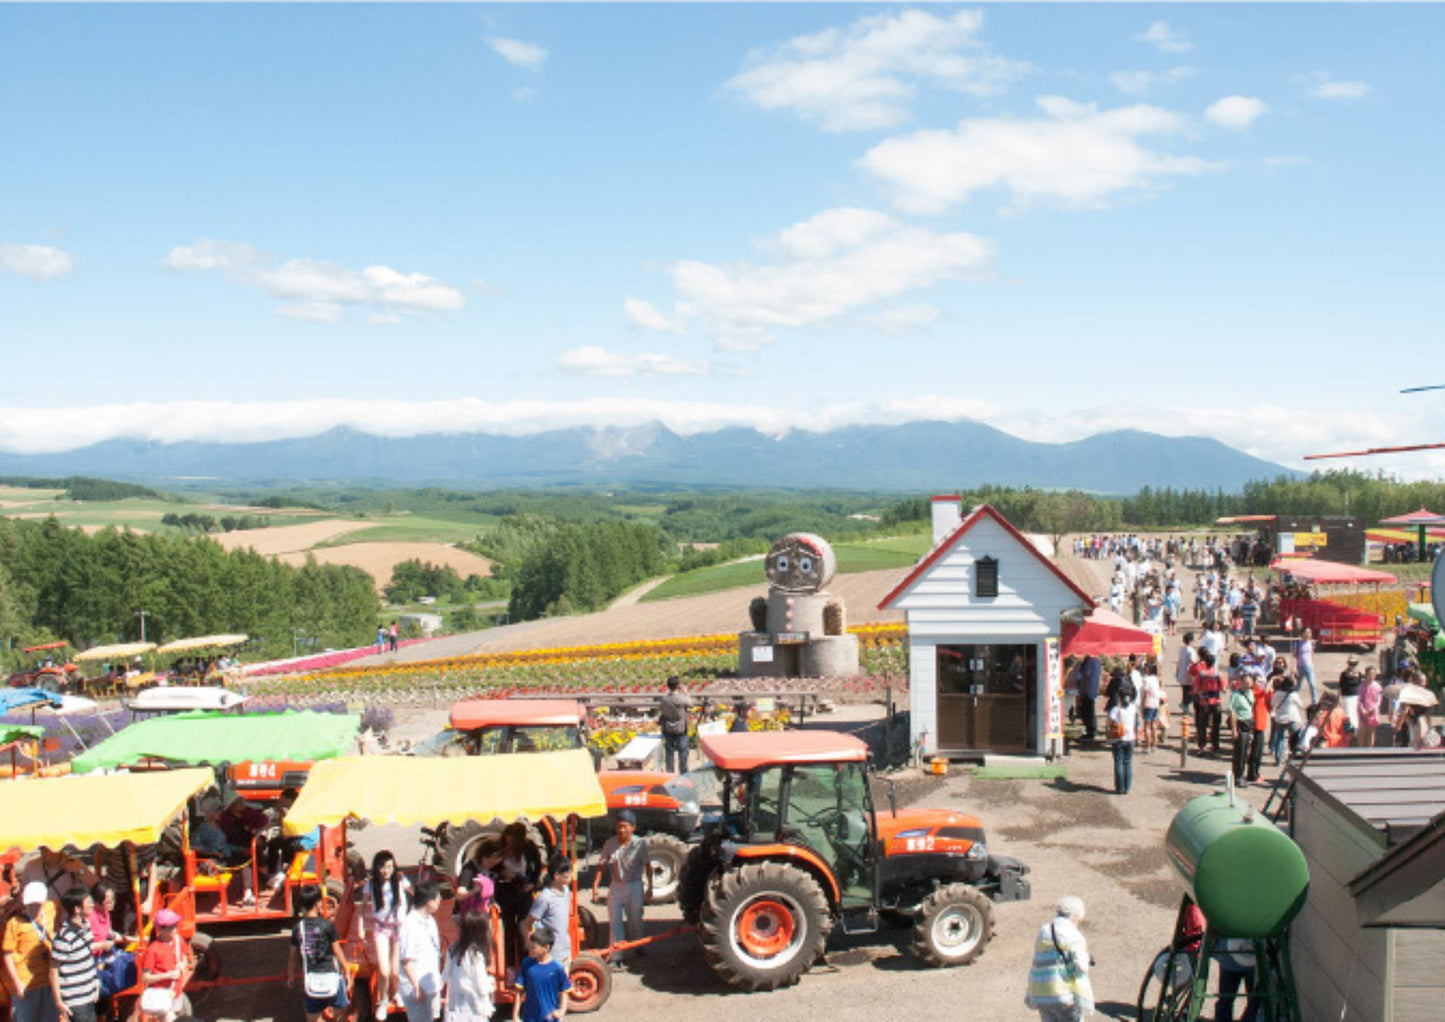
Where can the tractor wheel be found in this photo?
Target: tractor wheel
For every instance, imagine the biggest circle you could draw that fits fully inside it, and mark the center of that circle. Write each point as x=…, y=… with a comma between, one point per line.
x=593, y=933
x=953, y=925
x=668, y=855
x=591, y=984
x=208, y=957
x=461, y=840
x=335, y=895
x=764, y=925
x=692, y=883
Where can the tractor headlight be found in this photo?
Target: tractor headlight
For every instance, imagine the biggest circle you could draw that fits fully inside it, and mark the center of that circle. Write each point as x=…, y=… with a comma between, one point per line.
x=977, y=852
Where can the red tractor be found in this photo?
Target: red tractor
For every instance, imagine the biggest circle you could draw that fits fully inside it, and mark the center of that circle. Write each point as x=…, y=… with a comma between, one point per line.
x=45, y=673
x=490, y=727
x=798, y=848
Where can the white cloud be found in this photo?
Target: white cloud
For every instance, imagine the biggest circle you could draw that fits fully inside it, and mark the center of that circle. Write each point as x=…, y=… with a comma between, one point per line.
x=1165, y=38
x=314, y=289
x=385, y=319
x=650, y=317
x=1075, y=155
x=1236, y=112
x=865, y=76
x=1271, y=431
x=38, y=262
x=591, y=360
x=311, y=312
x=524, y=95
x=1137, y=83
x=900, y=319
x=1325, y=86
x=518, y=53
x=823, y=268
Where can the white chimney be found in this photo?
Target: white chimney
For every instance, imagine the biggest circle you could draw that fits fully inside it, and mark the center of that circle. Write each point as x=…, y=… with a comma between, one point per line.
x=947, y=514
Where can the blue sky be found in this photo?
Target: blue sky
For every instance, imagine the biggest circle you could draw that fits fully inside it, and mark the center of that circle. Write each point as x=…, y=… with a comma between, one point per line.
x=256, y=221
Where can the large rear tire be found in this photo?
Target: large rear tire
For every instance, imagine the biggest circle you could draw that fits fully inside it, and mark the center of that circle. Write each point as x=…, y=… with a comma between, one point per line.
x=764, y=925
x=208, y=957
x=692, y=882
x=668, y=855
x=461, y=841
x=591, y=984
x=952, y=926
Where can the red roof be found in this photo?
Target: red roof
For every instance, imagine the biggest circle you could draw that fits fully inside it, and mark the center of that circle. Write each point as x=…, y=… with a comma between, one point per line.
x=470, y=714
x=48, y=645
x=974, y=517
x=1414, y=517
x=1328, y=572
x=1105, y=633
x=749, y=750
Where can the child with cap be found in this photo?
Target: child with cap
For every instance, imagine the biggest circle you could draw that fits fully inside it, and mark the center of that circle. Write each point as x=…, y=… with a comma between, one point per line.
x=165, y=968
x=26, y=948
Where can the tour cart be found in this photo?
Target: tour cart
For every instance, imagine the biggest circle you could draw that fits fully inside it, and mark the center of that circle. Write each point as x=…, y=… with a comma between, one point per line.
x=109, y=819
x=1309, y=584
x=263, y=754
x=44, y=673
x=493, y=790
x=121, y=677
x=199, y=664
x=489, y=727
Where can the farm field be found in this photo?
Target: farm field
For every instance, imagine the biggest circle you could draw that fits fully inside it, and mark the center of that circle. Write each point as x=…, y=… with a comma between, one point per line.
x=378, y=559
x=285, y=539
x=893, y=552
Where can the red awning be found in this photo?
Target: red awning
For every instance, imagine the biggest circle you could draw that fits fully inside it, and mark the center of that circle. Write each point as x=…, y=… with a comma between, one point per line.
x=47, y=645
x=1413, y=518
x=1328, y=572
x=1105, y=633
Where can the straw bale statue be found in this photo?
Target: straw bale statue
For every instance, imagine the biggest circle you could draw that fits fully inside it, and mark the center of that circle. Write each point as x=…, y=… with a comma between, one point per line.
x=799, y=628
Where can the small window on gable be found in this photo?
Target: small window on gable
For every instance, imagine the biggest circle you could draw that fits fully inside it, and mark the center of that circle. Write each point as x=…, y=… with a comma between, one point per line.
x=985, y=574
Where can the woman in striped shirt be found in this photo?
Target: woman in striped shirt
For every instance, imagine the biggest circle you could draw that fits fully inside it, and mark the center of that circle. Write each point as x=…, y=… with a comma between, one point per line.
x=73, y=976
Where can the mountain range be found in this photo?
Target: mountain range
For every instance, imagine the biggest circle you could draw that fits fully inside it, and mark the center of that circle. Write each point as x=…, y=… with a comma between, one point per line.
x=914, y=456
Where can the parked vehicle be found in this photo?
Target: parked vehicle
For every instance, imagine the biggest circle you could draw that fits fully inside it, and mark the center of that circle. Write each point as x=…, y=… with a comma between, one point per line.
x=489, y=727
x=43, y=671
x=797, y=848
x=559, y=787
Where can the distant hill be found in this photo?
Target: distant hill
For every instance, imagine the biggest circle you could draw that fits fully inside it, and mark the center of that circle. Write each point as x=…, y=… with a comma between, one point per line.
x=911, y=456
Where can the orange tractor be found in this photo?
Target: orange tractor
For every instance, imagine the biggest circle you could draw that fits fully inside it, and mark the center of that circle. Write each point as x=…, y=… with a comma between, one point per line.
x=488, y=727
x=797, y=848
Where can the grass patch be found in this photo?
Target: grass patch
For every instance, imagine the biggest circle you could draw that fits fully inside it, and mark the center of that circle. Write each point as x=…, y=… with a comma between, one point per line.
x=1021, y=772
x=871, y=555
x=416, y=529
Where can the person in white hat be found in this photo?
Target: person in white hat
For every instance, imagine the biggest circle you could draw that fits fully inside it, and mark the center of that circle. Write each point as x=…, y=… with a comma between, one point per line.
x=26, y=948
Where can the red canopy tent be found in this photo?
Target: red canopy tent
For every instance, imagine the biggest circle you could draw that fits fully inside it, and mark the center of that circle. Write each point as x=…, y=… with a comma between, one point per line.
x=1104, y=633
x=1330, y=573
x=1428, y=517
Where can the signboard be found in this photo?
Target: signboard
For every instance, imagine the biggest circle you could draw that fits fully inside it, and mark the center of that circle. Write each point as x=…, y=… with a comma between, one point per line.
x=1054, y=682
x=790, y=638
x=1306, y=540
x=762, y=654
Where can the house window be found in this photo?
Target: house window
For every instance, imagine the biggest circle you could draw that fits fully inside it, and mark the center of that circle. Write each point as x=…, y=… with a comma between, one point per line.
x=985, y=577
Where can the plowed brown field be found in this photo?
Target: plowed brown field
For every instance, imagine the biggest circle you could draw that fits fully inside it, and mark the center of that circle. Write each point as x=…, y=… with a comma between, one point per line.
x=286, y=538
x=379, y=559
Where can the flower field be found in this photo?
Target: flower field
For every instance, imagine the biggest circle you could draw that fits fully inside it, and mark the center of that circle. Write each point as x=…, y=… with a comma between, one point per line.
x=627, y=667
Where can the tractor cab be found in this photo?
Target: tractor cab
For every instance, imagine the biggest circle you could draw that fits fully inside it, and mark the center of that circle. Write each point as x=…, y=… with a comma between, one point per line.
x=491, y=727
x=796, y=846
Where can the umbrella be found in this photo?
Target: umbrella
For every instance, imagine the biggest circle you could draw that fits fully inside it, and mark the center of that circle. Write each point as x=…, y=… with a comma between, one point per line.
x=1416, y=695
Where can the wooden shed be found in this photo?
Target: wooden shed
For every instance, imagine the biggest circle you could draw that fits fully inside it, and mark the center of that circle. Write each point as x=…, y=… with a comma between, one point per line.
x=1369, y=945
x=984, y=609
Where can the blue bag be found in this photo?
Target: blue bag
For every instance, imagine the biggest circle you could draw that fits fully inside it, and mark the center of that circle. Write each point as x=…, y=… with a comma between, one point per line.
x=117, y=973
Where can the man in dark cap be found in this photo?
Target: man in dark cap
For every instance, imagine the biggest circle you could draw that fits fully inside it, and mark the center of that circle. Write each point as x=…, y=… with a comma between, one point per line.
x=628, y=867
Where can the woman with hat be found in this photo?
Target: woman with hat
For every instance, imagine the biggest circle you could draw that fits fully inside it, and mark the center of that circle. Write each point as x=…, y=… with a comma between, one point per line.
x=165, y=968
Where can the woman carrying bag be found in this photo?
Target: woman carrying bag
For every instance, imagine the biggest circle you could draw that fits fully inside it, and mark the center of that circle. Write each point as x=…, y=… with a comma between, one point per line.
x=322, y=957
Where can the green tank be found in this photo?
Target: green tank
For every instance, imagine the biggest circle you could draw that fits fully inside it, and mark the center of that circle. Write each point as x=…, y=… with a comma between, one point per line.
x=1248, y=878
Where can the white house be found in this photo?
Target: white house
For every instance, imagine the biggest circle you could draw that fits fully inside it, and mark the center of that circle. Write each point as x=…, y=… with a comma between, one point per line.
x=984, y=611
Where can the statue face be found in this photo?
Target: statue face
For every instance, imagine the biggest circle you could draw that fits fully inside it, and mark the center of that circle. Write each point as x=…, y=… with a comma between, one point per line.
x=795, y=564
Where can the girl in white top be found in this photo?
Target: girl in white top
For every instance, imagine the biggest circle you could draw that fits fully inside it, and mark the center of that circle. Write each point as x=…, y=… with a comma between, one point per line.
x=388, y=898
x=466, y=975
x=1150, y=699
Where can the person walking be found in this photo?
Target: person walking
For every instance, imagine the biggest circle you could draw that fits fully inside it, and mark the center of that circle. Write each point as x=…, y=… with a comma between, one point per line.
x=1151, y=702
x=1090, y=672
x=628, y=867
x=26, y=955
x=1286, y=716
x=1350, y=681
x=74, y=980
x=1304, y=662
x=1235, y=959
x=421, y=956
x=672, y=711
x=1059, y=987
x=466, y=976
x=1241, y=725
x=1208, y=689
x=1372, y=695
x=1124, y=731
x=393, y=637
x=541, y=983
x=1187, y=659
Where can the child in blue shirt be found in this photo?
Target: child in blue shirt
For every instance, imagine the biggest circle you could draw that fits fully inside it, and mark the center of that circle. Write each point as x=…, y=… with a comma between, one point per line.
x=542, y=982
